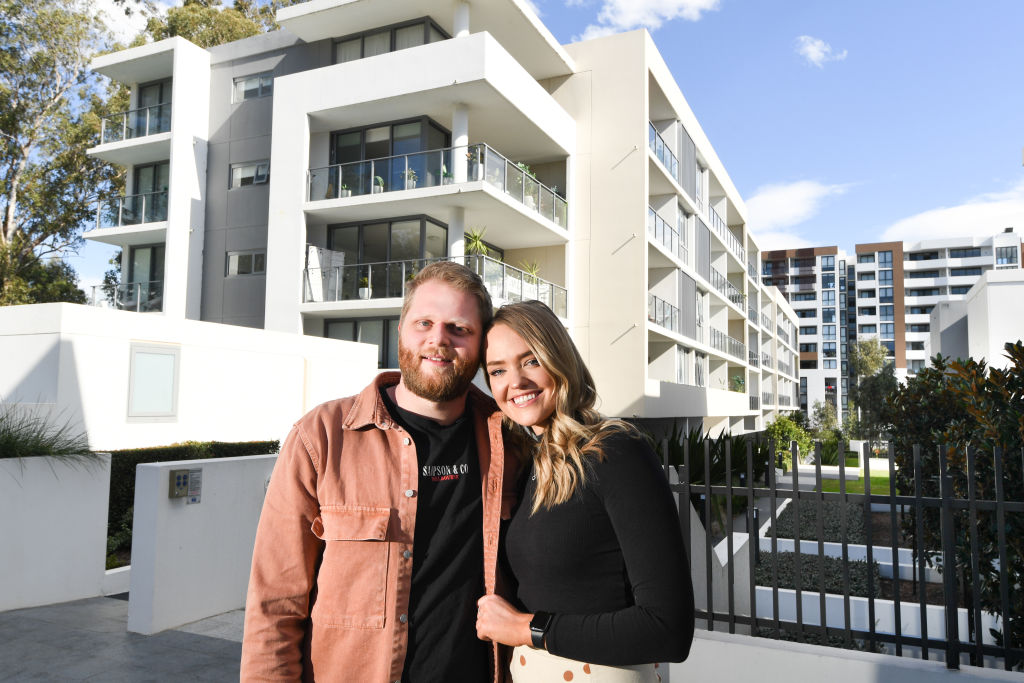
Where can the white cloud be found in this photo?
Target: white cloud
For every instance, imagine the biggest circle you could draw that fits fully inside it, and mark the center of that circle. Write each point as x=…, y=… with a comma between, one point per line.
x=785, y=205
x=983, y=215
x=816, y=51
x=616, y=16
x=781, y=239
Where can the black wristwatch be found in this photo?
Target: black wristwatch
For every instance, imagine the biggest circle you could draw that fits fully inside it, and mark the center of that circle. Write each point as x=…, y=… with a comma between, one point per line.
x=539, y=628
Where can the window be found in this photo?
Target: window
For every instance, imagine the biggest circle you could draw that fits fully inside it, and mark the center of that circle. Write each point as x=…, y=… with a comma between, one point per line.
x=1006, y=255
x=965, y=253
x=251, y=87
x=866, y=275
x=828, y=364
x=890, y=348
x=401, y=139
x=886, y=312
x=868, y=329
x=829, y=349
x=802, y=262
x=915, y=346
x=250, y=173
x=828, y=262
x=919, y=310
x=887, y=330
x=380, y=331
x=806, y=313
x=928, y=291
x=808, y=348
x=916, y=365
x=918, y=274
x=959, y=289
x=805, y=296
x=866, y=310
x=885, y=277
x=962, y=272
x=828, y=297
x=810, y=329
x=885, y=258
x=828, y=331
x=387, y=39
x=865, y=294
x=153, y=382
x=918, y=327
x=828, y=315
x=253, y=262
x=865, y=258
x=809, y=365
x=923, y=256
x=885, y=295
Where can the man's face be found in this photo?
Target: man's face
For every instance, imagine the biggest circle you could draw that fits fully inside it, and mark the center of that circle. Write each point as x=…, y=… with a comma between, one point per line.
x=439, y=342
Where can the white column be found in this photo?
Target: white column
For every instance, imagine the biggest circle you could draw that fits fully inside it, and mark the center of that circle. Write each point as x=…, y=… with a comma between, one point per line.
x=460, y=141
x=461, y=23
x=457, y=232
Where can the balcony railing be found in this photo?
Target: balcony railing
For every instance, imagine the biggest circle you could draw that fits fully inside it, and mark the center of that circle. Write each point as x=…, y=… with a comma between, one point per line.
x=141, y=297
x=722, y=284
x=768, y=398
x=662, y=151
x=766, y=360
x=726, y=344
x=754, y=404
x=133, y=209
x=783, y=335
x=785, y=368
x=434, y=168
x=752, y=312
x=753, y=359
x=386, y=280
x=766, y=321
x=660, y=312
x=731, y=241
x=785, y=400
x=659, y=229
x=135, y=123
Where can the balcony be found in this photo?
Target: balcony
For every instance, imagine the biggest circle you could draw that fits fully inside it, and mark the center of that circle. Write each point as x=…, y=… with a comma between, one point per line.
x=785, y=368
x=434, y=168
x=782, y=334
x=785, y=401
x=659, y=230
x=766, y=360
x=133, y=209
x=752, y=313
x=141, y=297
x=753, y=358
x=752, y=271
x=135, y=123
x=386, y=280
x=754, y=403
x=722, y=230
x=726, y=344
x=766, y=321
x=662, y=313
x=767, y=398
x=722, y=284
x=662, y=151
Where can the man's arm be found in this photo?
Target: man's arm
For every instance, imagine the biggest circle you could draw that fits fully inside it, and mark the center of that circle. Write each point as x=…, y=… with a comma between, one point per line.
x=283, y=567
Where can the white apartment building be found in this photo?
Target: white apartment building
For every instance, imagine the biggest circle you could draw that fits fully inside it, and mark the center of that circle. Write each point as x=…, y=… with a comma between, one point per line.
x=899, y=284
x=294, y=181
x=813, y=280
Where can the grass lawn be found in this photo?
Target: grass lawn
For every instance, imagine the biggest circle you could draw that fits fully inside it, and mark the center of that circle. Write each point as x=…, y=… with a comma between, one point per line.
x=879, y=485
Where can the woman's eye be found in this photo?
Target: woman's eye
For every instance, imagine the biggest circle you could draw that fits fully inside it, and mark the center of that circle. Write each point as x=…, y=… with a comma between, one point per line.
x=533, y=363
x=495, y=373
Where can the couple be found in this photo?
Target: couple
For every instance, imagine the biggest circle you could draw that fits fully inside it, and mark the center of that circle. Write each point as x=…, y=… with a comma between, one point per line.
x=380, y=530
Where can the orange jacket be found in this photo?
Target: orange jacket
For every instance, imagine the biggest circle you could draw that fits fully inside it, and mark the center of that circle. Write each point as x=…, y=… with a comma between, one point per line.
x=331, y=569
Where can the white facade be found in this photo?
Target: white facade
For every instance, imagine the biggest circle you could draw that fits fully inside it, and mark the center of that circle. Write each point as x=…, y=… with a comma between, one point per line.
x=367, y=138
x=981, y=324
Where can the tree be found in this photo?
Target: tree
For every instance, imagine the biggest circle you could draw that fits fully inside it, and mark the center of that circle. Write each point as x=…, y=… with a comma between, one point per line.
x=823, y=419
x=206, y=24
x=867, y=356
x=781, y=432
x=870, y=395
x=49, y=116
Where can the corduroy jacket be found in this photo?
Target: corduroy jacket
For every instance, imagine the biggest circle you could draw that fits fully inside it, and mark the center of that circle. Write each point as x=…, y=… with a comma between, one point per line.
x=331, y=571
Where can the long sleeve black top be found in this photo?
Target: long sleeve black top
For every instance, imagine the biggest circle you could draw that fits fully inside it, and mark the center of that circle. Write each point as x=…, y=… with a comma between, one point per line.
x=609, y=563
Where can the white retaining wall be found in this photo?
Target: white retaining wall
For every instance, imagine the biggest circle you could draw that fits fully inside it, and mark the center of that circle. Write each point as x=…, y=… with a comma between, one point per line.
x=53, y=530
x=190, y=562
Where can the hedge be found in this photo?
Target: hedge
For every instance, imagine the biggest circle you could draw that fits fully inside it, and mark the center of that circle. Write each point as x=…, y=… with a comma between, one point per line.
x=122, y=473
x=813, y=566
x=832, y=522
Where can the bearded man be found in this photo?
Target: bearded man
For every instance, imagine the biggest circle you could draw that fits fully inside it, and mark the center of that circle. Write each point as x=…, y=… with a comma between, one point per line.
x=379, y=531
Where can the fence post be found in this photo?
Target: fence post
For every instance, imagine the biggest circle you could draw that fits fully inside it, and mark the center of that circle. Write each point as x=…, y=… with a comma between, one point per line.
x=948, y=563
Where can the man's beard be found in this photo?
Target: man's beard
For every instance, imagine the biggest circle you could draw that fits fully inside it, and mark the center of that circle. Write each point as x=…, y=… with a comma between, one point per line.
x=438, y=387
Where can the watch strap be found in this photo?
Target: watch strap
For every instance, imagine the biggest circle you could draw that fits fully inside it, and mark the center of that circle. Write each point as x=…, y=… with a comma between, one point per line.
x=539, y=628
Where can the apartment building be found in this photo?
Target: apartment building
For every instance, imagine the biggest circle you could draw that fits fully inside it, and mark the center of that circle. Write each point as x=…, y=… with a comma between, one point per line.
x=814, y=281
x=895, y=286
x=294, y=181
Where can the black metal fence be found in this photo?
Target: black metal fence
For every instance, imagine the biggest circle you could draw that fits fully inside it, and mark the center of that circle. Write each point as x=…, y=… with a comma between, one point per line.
x=920, y=610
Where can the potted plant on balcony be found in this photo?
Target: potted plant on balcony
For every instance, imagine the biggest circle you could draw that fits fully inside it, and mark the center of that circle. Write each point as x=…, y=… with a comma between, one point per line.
x=410, y=178
x=364, y=288
x=474, y=168
x=529, y=188
x=474, y=242
x=345, y=192
x=446, y=177
x=378, y=185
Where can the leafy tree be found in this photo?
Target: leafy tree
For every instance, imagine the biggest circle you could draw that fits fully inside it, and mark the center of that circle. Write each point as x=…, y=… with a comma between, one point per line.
x=823, y=419
x=49, y=116
x=870, y=395
x=781, y=432
x=867, y=356
x=205, y=23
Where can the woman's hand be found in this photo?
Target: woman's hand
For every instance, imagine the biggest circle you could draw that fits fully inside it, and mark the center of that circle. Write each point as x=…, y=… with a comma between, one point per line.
x=499, y=621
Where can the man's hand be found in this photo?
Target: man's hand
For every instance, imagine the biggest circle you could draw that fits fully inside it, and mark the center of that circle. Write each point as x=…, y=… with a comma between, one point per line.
x=499, y=621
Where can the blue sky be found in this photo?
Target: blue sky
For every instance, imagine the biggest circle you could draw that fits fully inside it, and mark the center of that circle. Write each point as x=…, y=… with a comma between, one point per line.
x=839, y=122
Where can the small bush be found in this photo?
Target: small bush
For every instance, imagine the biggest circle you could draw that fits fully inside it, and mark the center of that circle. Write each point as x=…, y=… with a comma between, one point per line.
x=833, y=639
x=811, y=568
x=832, y=522
x=25, y=433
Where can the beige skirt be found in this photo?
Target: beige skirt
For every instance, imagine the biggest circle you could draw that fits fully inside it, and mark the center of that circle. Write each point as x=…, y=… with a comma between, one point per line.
x=540, y=666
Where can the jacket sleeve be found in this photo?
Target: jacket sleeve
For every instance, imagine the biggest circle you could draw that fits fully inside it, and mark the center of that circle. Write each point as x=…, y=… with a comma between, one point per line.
x=283, y=568
x=658, y=627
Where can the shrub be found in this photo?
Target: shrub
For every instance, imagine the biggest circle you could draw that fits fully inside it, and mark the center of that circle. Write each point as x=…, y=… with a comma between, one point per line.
x=811, y=568
x=781, y=432
x=26, y=433
x=832, y=522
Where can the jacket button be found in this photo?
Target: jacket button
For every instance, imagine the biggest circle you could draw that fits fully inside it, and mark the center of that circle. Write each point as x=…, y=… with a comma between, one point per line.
x=406, y=441
x=410, y=493
x=403, y=618
x=406, y=554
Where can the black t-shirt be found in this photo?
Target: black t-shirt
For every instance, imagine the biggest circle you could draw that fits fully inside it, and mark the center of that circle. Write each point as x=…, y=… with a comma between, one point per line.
x=447, y=555
x=609, y=562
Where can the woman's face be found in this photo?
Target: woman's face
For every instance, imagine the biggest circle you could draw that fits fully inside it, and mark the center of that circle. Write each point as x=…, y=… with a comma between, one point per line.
x=524, y=390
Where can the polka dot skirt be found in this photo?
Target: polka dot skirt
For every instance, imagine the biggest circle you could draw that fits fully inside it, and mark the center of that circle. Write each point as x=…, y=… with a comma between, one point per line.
x=540, y=666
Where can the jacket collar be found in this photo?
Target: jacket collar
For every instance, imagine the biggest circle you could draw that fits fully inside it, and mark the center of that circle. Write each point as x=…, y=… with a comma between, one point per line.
x=368, y=407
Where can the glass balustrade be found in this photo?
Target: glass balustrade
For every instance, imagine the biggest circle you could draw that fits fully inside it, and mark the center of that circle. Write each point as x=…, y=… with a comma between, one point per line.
x=135, y=123
x=660, y=312
x=662, y=150
x=133, y=209
x=141, y=297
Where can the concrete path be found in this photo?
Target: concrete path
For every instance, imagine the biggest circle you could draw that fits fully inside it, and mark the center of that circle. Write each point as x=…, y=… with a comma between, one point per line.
x=86, y=640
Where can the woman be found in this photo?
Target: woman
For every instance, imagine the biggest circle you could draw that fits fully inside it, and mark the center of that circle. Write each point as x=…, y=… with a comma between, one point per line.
x=594, y=545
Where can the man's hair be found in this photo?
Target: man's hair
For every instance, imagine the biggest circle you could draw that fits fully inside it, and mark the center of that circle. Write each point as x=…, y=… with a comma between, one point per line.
x=458, y=277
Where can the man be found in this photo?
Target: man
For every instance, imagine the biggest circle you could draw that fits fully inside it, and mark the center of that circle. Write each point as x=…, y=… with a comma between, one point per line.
x=367, y=564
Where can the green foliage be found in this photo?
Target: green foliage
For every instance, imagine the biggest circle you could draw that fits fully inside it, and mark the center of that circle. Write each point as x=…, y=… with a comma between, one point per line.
x=823, y=418
x=204, y=23
x=25, y=434
x=951, y=408
x=811, y=568
x=781, y=432
x=867, y=356
x=474, y=242
x=870, y=395
x=828, y=451
x=832, y=521
x=122, y=475
x=737, y=383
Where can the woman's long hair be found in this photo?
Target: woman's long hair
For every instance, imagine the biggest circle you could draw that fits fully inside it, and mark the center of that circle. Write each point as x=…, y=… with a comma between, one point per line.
x=574, y=435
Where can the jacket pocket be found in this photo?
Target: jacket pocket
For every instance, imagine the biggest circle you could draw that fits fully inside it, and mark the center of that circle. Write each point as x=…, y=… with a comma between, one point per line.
x=352, y=580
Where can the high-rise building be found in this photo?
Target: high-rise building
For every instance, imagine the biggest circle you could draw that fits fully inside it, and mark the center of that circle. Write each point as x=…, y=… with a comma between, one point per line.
x=296, y=180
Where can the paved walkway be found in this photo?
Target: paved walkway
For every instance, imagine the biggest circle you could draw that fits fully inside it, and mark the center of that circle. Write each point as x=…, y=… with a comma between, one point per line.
x=86, y=640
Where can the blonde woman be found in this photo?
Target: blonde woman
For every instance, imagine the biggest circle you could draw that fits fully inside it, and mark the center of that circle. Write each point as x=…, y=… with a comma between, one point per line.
x=595, y=546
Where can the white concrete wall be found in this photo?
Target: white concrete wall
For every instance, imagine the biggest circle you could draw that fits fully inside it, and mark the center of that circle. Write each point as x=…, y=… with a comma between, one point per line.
x=994, y=315
x=190, y=562
x=732, y=657
x=53, y=530
x=234, y=383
